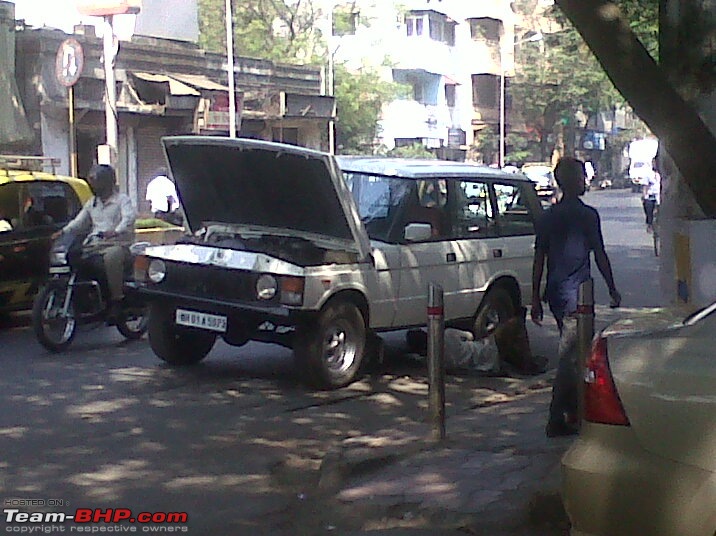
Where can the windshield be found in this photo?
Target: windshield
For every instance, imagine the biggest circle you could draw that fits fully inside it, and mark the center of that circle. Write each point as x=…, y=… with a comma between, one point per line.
x=378, y=199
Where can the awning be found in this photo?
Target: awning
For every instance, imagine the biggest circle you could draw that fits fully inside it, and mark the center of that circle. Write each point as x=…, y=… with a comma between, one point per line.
x=199, y=82
x=182, y=84
x=175, y=86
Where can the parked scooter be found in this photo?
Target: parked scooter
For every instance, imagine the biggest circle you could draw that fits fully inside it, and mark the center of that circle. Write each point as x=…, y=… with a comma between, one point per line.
x=77, y=293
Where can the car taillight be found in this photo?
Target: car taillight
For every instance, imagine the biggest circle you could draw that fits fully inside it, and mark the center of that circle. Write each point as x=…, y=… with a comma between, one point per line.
x=601, y=400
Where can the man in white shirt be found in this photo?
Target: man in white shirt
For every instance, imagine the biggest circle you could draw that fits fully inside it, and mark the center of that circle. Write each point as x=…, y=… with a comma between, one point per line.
x=109, y=217
x=651, y=197
x=162, y=196
x=589, y=173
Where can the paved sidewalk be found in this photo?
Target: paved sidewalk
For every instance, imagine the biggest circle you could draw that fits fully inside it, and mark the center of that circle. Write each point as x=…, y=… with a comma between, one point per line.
x=496, y=473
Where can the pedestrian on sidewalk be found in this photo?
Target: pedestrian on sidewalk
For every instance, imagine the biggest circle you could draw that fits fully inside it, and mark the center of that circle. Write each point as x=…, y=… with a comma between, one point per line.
x=651, y=196
x=566, y=234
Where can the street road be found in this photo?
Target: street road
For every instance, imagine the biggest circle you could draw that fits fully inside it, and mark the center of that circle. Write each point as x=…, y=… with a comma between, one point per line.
x=235, y=442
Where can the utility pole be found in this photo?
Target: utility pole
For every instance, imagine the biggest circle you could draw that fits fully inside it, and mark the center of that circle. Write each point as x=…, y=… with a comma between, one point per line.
x=110, y=105
x=230, y=68
x=107, y=154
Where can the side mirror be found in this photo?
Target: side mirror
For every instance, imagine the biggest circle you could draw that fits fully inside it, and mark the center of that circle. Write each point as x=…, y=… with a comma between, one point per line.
x=418, y=232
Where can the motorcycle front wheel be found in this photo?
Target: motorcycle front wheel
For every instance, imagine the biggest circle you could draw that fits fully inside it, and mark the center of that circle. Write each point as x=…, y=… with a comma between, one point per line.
x=54, y=328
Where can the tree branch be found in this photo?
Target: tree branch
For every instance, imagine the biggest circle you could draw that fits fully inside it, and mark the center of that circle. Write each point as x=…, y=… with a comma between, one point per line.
x=680, y=129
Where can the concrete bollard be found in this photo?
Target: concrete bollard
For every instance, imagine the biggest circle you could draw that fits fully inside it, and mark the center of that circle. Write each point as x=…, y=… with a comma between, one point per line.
x=436, y=360
x=585, y=334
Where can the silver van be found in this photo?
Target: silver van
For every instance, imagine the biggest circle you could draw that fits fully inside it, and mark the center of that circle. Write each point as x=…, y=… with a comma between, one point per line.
x=319, y=253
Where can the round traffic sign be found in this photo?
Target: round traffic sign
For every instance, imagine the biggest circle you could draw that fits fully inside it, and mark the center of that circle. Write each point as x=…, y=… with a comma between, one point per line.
x=69, y=62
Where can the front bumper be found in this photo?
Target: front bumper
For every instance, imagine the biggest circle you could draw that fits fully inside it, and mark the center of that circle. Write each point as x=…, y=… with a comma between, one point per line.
x=611, y=486
x=237, y=312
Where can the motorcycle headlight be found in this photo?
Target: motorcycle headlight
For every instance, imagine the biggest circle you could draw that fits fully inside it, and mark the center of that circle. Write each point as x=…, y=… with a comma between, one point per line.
x=157, y=271
x=266, y=287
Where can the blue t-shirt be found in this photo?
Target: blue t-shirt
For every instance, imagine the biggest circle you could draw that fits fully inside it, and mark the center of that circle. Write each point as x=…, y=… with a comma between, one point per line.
x=567, y=232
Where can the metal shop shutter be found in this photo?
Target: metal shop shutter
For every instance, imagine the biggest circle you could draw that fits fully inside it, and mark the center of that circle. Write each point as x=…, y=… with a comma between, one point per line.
x=150, y=157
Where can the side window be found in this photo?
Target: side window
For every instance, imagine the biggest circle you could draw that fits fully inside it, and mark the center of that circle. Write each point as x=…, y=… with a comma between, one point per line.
x=49, y=203
x=430, y=206
x=474, y=217
x=514, y=213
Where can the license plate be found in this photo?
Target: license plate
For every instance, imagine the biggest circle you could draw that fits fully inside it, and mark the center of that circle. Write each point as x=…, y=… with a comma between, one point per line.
x=195, y=319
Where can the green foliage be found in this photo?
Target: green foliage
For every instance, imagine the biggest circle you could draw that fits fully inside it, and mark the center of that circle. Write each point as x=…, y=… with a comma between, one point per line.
x=643, y=17
x=212, y=24
x=487, y=145
x=416, y=150
x=360, y=97
x=345, y=19
x=518, y=146
x=560, y=76
x=283, y=31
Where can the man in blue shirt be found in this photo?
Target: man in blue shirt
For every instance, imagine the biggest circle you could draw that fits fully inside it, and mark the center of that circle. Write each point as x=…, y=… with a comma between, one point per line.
x=566, y=234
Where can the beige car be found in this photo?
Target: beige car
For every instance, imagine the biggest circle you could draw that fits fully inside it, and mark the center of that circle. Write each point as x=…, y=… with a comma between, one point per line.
x=645, y=460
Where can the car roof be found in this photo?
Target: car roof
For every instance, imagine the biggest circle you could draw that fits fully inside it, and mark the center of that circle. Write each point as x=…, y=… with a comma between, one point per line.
x=410, y=168
x=16, y=175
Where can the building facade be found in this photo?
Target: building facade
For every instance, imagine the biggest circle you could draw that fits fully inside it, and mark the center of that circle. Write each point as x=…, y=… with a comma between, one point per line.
x=164, y=87
x=451, y=54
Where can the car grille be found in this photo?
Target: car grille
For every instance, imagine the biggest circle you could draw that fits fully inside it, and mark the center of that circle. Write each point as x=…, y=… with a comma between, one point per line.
x=209, y=282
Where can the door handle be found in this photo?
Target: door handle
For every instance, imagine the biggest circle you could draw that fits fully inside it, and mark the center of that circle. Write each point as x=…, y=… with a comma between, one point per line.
x=497, y=253
x=451, y=257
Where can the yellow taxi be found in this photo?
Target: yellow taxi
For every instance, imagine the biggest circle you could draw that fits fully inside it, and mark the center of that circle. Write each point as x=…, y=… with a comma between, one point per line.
x=34, y=202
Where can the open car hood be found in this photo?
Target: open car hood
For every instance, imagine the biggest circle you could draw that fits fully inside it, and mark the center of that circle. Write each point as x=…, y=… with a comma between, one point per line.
x=265, y=184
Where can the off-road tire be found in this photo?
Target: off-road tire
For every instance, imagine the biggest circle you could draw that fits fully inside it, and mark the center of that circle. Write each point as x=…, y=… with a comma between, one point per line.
x=173, y=344
x=330, y=350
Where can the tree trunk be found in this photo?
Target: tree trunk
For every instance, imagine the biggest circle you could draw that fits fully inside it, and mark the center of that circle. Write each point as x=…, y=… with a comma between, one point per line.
x=681, y=132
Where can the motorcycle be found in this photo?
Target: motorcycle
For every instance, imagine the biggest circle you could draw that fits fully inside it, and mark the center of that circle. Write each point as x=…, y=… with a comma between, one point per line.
x=77, y=293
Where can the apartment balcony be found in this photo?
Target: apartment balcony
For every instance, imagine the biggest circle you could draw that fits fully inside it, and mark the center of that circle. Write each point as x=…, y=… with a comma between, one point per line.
x=423, y=53
x=411, y=119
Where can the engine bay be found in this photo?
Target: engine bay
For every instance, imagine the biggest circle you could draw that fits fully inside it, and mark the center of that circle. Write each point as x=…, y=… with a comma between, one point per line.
x=296, y=250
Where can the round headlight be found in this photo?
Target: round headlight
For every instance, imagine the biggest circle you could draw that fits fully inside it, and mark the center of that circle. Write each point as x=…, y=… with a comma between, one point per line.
x=266, y=287
x=157, y=271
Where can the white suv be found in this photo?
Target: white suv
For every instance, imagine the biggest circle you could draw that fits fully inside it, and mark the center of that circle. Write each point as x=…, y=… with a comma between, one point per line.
x=318, y=253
